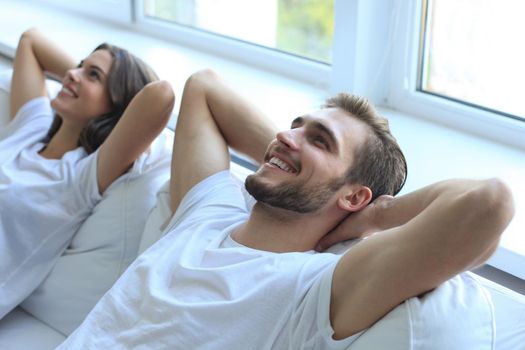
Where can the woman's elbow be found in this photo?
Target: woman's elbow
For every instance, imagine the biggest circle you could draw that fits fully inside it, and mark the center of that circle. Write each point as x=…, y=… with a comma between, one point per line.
x=162, y=98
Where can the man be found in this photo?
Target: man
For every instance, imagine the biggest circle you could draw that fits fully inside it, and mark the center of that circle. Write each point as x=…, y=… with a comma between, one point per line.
x=227, y=278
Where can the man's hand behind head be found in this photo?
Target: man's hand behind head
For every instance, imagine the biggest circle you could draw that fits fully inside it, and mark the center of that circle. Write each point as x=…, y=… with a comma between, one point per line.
x=356, y=225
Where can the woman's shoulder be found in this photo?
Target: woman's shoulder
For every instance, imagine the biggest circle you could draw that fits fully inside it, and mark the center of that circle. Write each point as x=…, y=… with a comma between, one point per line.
x=30, y=123
x=37, y=111
x=36, y=108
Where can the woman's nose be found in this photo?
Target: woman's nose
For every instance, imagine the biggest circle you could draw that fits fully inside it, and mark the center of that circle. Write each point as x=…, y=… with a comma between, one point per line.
x=73, y=74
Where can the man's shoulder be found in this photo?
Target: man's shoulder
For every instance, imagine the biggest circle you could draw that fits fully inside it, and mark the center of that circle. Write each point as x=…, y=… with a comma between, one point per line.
x=217, y=191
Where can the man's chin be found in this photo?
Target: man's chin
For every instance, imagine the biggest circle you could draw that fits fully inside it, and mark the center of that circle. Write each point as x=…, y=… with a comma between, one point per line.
x=251, y=183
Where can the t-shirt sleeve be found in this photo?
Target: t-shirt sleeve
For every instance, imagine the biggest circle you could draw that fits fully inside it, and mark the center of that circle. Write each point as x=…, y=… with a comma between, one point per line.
x=34, y=115
x=311, y=319
x=216, y=194
x=85, y=182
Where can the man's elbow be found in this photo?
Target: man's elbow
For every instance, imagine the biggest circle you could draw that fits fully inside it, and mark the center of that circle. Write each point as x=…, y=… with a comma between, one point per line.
x=200, y=79
x=501, y=201
x=496, y=206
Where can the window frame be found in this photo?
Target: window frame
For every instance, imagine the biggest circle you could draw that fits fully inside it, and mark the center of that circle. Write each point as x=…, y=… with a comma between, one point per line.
x=119, y=12
x=304, y=69
x=384, y=33
x=405, y=96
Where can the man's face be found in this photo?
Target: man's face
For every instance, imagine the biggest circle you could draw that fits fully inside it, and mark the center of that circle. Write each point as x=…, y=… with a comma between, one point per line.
x=305, y=166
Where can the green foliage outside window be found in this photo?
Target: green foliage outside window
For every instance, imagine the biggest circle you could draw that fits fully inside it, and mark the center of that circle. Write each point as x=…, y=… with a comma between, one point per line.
x=304, y=27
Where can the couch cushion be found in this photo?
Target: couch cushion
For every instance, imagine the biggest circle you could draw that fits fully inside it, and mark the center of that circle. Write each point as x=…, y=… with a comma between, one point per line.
x=19, y=330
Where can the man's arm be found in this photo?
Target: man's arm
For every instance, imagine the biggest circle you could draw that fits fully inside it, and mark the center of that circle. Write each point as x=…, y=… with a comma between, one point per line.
x=437, y=232
x=211, y=118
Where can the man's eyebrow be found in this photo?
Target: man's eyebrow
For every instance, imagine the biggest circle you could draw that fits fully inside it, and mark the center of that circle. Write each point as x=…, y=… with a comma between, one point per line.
x=326, y=130
x=322, y=128
x=298, y=120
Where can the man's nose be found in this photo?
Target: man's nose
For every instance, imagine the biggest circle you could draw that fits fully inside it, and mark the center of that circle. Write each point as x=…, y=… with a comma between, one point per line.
x=289, y=138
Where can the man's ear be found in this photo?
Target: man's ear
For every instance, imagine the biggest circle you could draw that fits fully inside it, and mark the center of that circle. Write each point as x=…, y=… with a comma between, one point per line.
x=355, y=200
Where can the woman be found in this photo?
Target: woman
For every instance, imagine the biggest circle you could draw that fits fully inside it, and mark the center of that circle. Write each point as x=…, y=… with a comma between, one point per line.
x=54, y=169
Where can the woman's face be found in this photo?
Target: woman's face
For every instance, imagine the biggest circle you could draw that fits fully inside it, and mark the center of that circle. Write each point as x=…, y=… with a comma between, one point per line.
x=84, y=93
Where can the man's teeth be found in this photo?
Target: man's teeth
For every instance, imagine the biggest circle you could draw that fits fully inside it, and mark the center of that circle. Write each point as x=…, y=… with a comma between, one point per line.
x=281, y=165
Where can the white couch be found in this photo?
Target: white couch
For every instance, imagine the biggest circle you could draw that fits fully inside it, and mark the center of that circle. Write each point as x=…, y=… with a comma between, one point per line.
x=113, y=236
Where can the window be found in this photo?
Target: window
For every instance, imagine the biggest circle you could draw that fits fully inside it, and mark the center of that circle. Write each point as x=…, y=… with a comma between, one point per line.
x=299, y=27
x=472, y=53
x=117, y=11
x=460, y=63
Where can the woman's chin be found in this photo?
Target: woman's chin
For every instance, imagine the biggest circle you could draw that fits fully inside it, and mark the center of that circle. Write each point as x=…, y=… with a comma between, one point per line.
x=54, y=103
x=57, y=105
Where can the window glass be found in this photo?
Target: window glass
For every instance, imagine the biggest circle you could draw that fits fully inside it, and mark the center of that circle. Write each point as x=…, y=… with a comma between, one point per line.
x=473, y=52
x=299, y=27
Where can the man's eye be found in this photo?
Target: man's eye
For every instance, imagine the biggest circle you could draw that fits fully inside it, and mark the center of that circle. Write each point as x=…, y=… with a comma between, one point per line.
x=320, y=141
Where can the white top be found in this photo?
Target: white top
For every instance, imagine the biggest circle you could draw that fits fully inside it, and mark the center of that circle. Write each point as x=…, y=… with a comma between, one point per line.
x=197, y=288
x=42, y=201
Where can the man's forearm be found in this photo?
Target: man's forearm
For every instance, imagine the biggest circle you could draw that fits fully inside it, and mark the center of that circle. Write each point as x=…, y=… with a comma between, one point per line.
x=398, y=211
x=244, y=127
x=387, y=212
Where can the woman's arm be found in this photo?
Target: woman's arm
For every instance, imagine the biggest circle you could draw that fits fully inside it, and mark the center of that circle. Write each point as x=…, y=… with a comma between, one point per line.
x=144, y=119
x=35, y=55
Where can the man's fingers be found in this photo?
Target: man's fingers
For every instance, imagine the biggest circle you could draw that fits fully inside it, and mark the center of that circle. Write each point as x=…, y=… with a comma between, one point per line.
x=330, y=239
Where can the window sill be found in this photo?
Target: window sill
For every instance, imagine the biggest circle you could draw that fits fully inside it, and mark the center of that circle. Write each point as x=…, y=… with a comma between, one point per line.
x=433, y=152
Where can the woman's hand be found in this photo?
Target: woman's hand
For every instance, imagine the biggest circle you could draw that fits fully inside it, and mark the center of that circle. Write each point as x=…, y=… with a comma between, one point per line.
x=357, y=225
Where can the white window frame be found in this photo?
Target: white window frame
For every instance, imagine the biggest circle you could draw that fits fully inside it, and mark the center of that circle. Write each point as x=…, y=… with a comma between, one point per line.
x=375, y=54
x=115, y=11
x=362, y=27
x=405, y=97
x=296, y=67
x=361, y=48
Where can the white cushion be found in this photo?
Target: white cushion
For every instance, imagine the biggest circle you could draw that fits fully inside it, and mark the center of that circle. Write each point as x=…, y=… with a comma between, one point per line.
x=5, y=77
x=457, y=315
x=106, y=243
x=19, y=330
x=509, y=312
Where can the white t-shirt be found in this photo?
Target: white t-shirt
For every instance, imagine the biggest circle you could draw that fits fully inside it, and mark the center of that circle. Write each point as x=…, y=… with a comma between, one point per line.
x=196, y=288
x=43, y=202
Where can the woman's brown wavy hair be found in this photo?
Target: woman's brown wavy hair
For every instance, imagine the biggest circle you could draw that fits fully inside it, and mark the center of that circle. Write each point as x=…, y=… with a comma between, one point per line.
x=127, y=76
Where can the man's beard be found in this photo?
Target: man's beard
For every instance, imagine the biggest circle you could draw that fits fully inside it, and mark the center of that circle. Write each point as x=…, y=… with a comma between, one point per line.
x=294, y=196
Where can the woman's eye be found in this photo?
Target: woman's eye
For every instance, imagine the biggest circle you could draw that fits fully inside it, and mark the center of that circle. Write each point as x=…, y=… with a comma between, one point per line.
x=94, y=74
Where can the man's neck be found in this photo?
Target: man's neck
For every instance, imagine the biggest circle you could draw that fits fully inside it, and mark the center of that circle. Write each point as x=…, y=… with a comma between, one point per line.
x=278, y=230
